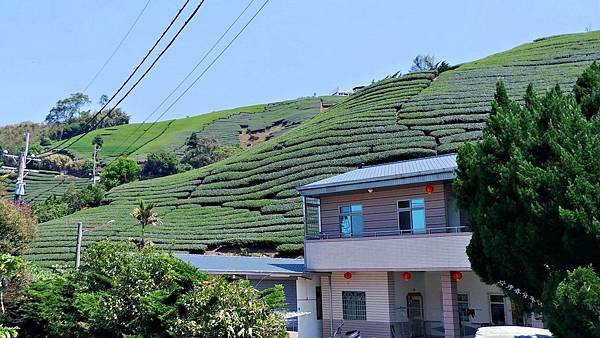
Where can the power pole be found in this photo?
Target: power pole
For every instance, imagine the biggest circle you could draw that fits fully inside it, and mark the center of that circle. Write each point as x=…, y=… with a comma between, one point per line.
x=78, y=247
x=94, y=169
x=20, y=186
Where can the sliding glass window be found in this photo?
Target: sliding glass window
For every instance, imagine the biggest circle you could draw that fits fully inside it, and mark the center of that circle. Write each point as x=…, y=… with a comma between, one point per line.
x=351, y=223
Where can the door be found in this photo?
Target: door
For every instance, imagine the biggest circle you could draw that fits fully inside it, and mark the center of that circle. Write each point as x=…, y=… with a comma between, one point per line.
x=414, y=307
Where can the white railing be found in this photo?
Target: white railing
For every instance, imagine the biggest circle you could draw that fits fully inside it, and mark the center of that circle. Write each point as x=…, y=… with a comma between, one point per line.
x=396, y=232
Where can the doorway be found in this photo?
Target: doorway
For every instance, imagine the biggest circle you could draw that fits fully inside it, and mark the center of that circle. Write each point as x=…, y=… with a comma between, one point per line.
x=414, y=309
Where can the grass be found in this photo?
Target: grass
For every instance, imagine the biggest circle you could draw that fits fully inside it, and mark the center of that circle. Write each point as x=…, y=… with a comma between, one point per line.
x=249, y=199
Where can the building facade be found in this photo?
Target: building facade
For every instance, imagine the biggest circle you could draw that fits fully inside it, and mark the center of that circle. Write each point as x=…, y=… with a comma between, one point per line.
x=389, y=245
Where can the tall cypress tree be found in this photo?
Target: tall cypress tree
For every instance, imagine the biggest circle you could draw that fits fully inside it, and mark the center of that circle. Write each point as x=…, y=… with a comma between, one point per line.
x=531, y=188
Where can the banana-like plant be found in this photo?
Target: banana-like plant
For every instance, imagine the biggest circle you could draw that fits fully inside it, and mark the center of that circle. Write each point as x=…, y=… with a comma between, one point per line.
x=145, y=215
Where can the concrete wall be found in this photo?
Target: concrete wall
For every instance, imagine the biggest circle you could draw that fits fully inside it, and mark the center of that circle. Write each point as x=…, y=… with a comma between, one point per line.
x=308, y=326
x=435, y=252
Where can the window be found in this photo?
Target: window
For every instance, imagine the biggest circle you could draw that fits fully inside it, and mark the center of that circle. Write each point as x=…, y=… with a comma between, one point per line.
x=351, y=223
x=463, y=306
x=312, y=214
x=497, y=309
x=411, y=215
x=319, y=300
x=354, y=305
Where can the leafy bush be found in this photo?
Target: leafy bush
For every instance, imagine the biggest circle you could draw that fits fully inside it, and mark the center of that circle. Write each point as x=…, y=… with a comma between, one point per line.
x=572, y=306
x=121, y=291
x=206, y=150
x=160, y=164
x=53, y=207
x=122, y=170
x=17, y=227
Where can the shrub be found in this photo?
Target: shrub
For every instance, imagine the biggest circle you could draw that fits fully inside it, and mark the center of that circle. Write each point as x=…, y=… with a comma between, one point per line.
x=17, y=227
x=122, y=170
x=52, y=208
x=572, y=306
x=160, y=164
x=121, y=291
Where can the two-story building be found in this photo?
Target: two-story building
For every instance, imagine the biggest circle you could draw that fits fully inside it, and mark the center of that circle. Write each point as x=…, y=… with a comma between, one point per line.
x=389, y=246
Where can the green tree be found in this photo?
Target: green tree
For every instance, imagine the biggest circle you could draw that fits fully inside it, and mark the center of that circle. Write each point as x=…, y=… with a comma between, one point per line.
x=67, y=109
x=10, y=267
x=242, y=314
x=145, y=215
x=160, y=164
x=531, y=189
x=98, y=141
x=573, y=308
x=122, y=170
x=206, y=151
x=17, y=227
x=587, y=90
x=122, y=291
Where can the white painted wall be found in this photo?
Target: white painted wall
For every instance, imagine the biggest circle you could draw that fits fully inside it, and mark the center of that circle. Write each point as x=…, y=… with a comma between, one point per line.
x=308, y=326
x=428, y=284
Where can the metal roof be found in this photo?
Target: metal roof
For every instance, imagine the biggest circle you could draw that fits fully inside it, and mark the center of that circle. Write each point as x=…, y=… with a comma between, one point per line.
x=421, y=170
x=245, y=265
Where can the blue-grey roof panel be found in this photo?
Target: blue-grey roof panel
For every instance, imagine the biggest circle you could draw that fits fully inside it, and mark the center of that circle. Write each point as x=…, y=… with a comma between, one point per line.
x=391, y=171
x=245, y=264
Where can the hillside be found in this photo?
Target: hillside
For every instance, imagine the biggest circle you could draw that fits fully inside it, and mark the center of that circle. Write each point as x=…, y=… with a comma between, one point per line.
x=250, y=200
x=171, y=135
x=43, y=184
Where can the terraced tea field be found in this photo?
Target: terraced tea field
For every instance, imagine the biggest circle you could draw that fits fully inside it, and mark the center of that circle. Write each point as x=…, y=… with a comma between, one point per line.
x=455, y=108
x=249, y=199
x=171, y=135
x=43, y=184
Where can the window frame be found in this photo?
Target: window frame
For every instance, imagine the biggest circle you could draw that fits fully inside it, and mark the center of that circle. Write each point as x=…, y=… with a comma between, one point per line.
x=409, y=209
x=319, y=302
x=503, y=303
x=466, y=318
x=350, y=214
x=313, y=202
x=360, y=309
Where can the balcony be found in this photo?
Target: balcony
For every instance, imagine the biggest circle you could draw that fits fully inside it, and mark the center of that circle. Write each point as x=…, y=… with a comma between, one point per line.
x=430, y=249
x=397, y=232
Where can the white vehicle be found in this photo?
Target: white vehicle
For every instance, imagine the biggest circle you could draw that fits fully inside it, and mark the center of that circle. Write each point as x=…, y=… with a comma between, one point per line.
x=512, y=332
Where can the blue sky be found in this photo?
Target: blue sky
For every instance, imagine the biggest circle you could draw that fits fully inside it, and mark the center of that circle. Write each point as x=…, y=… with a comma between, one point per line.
x=51, y=48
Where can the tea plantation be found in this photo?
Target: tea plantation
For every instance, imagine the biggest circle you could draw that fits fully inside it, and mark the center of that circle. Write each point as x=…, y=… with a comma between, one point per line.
x=43, y=184
x=171, y=135
x=249, y=199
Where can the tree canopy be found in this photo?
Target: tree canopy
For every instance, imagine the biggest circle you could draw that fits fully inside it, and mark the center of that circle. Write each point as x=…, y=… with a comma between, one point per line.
x=120, y=171
x=124, y=292
x=531, y=189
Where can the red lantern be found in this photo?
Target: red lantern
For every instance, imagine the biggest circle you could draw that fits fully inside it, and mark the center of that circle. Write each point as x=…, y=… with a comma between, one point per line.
x=429, y=189
x=457, y=275
x=406, y=275
x=347, y=275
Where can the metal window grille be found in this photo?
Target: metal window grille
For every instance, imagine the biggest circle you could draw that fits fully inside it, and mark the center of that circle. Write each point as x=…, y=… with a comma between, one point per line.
x=463, y=306
x=354, y=305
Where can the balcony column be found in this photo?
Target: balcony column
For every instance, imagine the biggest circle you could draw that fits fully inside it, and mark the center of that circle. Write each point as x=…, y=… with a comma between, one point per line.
x=450, y=314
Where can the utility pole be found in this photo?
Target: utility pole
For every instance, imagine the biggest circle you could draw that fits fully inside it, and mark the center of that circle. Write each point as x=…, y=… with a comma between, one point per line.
x=94, y=169
x=78, y=248
x=20, y=186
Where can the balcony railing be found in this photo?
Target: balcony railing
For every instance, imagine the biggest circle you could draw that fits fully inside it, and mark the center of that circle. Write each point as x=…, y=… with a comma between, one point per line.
x=396, y=232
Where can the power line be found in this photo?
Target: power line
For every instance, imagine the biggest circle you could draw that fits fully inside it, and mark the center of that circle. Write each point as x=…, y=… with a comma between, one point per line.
x=185, y=78
x=129, y=77
x=118, y=47
x=200, y=75
x=138, y=81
